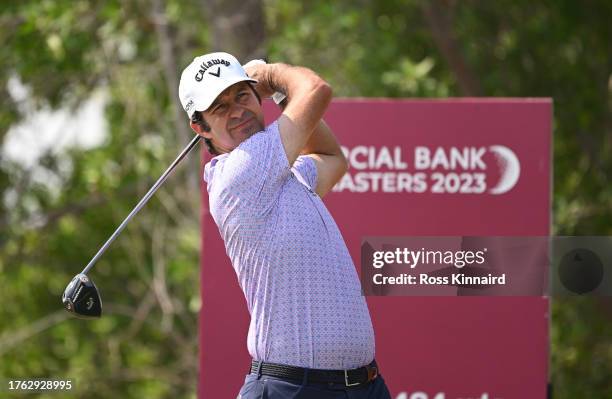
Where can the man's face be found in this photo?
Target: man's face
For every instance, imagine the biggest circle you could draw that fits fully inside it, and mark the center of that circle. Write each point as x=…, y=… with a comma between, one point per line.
x=233, y=117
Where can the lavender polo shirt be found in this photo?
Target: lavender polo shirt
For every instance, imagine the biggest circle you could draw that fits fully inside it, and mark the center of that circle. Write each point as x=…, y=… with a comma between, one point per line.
x=299, y=281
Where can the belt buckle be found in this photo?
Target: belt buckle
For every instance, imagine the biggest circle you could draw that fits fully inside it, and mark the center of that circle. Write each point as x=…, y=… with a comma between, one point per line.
x=346, y=380
x=372, y=373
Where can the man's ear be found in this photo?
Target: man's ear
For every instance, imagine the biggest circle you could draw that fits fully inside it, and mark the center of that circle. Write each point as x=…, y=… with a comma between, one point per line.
x=199, y=129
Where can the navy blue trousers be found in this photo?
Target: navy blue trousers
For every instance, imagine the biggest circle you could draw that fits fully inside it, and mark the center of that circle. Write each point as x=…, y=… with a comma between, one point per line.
x=265, y=387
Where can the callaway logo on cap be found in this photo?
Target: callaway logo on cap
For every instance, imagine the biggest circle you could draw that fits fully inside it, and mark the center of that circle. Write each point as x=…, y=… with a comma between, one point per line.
x=206, y=77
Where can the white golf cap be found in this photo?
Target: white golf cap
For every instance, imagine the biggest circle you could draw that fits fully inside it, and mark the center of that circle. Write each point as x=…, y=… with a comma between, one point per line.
x=206, y=77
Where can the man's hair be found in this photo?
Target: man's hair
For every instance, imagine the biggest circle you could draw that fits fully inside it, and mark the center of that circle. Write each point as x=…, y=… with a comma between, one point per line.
x=198, y=119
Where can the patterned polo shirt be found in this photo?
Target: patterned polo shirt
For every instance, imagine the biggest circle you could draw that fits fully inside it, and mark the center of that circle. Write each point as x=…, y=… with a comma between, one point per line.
x=299, y=281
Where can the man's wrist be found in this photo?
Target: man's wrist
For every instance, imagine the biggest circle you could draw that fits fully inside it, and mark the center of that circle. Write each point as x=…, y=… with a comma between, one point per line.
x=274, y=81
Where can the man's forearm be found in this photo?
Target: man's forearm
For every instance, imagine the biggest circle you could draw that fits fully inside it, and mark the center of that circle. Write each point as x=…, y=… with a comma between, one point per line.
x=289, y=80
x=325, y=150
x=322, y=141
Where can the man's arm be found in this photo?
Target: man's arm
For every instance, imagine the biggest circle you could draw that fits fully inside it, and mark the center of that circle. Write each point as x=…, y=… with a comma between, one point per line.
x=308, y=96
x=324, y=149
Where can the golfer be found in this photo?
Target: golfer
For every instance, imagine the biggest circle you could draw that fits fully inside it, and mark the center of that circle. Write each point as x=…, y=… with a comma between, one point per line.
x=310, y=334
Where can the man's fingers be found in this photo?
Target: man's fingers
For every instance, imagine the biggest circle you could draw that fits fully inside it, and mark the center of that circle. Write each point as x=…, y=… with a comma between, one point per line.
x=253, y=63
x=277, y=96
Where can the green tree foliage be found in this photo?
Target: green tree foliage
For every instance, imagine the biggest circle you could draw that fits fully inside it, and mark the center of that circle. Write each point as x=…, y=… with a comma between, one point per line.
x=55, y=214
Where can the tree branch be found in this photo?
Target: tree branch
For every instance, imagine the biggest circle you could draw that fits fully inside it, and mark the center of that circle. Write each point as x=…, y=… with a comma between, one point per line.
x=238, y=27
x=440, y=24
x=171, y=70
x=9, y=340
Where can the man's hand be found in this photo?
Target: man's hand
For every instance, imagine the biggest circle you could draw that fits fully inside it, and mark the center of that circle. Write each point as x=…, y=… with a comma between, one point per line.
x=277, y=96
x=258, y=69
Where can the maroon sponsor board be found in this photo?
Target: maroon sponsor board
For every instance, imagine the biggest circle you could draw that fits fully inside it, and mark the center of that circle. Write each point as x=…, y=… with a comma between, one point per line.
x=460, y=167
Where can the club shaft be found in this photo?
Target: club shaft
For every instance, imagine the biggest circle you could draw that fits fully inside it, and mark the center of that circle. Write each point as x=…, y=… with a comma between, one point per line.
x=142, y=202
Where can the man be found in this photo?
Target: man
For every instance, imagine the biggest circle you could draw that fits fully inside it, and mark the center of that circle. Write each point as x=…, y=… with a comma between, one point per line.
x=310, y=334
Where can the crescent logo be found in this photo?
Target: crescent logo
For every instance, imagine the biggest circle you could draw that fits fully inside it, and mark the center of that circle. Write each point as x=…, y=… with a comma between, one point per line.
x=509, y=168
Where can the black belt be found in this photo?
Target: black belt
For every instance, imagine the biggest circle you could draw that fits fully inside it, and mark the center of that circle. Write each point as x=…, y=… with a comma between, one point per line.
x=349, y=378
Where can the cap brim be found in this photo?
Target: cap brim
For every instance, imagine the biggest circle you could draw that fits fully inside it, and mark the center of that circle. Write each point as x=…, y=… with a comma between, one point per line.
x=202, y=103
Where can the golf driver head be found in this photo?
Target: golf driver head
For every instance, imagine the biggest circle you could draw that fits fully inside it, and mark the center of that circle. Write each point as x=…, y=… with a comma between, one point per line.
x=81, y=297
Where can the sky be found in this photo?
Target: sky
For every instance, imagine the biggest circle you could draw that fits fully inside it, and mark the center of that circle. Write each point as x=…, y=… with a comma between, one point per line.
x=48, y=129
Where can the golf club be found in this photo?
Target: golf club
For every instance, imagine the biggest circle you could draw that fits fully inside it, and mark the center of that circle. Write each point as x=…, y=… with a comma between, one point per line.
x=81, y=296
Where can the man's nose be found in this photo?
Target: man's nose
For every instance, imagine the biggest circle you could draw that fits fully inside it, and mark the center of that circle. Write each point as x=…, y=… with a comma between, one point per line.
x=236, y=111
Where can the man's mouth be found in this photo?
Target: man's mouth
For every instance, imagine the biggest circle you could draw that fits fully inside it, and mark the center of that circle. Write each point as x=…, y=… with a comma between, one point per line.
x=242, y=124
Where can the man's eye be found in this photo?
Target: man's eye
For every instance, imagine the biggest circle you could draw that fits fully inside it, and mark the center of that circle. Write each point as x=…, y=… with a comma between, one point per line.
x=219, y=108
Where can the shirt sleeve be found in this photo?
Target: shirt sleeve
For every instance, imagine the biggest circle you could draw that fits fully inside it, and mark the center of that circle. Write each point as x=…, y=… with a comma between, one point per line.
x=307, y=168
x=256, y=170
